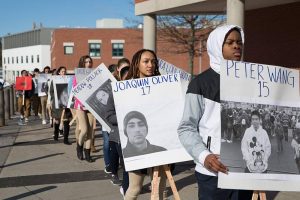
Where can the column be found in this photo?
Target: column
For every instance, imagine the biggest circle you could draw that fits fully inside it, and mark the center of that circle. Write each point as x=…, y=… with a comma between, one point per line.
x=149, y=34
x=236, y=12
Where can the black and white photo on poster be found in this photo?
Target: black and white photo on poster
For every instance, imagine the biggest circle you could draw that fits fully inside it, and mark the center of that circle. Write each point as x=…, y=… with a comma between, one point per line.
x=148, y=113
x=92, y=92
x=259, y=127
x=100, y=98
x=168, y=68
x=43, y=83
x=61, y=95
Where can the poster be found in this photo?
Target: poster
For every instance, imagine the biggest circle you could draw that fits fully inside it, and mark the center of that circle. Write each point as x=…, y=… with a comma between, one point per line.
x=23, y=83
x=61, y=95
x=260, y=127
x=43, y=80
x=94, y=92
x=149, y=111
x=81, y=73
x=168, y=68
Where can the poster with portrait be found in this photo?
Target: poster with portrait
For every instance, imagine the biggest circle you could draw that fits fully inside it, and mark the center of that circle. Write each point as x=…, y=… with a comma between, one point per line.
x=94, y=92
x=149, y=111
x=260, y=127
x=61, y=96
x=168, y=68
x=43, y=86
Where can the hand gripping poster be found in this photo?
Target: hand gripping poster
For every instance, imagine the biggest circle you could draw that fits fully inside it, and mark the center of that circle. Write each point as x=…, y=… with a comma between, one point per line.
x=260, y=127
x=61, y=95
x=149, y=111
x=94, y=92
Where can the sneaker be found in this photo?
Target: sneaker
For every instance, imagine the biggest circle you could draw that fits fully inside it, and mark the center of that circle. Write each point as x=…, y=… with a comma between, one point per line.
x=122, y=192
x=44, y=122
x=223, y=140
x=21, y=123
x=115, y=180
x=21, y=117
x=61, y=133
x=229, y=141
x=26, y=119
x=107, y=169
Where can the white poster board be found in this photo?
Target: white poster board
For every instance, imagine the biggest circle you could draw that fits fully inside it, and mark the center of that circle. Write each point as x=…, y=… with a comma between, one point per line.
x=81, y=73
x=43, y=84
x=257, y=150
x=168, y=68
x=159, y=99
x=94, y=91
x=61, y=96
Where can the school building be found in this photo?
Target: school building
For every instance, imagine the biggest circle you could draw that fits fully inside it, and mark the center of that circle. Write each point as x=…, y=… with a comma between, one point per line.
x=271, y=27
x=107, y=46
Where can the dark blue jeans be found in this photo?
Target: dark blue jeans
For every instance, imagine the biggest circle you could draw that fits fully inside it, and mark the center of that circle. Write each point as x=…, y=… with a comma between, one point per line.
x=208, y=190
x=106, y=147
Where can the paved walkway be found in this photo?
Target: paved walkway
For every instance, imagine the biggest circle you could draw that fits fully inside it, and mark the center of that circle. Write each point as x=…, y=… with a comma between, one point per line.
x=35, y=167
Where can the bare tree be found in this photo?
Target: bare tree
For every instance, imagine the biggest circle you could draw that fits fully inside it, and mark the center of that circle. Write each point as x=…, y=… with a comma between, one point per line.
x=187, y=34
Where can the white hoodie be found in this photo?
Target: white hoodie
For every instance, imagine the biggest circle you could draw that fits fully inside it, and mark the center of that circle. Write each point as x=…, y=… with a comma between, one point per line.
x=202, y=114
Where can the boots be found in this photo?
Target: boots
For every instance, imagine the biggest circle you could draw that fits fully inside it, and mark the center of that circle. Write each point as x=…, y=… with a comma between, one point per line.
x=66, y=133
x=79, y=151
x=87, y=155
x=56, y=127
x=93, y=149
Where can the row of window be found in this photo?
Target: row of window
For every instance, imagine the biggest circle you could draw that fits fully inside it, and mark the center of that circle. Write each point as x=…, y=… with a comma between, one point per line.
x=13, y=60
x=95, y=49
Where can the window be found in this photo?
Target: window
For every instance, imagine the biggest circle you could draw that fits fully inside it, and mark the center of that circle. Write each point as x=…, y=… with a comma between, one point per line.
x=26, y=59
x=32, y=59
x=68, y=50
x=117, y=49
x=12, y=60
x=21, y=59
x=4, y=60
x=95, y=49
x=17, y=59
x=8, y=60
x=38, y=58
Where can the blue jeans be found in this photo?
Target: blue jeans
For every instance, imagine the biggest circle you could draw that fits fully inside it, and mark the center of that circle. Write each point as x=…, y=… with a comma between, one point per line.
x=106, y=147
x=208, y=190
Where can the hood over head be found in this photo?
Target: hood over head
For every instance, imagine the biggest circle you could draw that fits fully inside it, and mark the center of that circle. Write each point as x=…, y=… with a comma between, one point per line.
x=214, y=45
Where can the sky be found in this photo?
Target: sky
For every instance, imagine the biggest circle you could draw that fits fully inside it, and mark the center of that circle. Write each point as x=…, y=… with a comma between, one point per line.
x=18, y=15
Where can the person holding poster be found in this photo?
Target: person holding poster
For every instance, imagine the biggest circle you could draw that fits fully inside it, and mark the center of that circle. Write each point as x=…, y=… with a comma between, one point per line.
x=24, y=100
x=85, y=119
x=256, y=146
x=57, y=112
x=200, y=128
x=143, y=64
x=44, y=96
x=136, y=130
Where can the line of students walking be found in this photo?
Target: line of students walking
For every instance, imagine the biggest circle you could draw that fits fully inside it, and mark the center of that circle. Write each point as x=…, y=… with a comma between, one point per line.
x=224, y=42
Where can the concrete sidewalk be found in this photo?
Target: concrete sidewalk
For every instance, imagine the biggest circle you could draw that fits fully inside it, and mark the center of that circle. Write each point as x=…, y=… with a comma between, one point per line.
x=33, y=166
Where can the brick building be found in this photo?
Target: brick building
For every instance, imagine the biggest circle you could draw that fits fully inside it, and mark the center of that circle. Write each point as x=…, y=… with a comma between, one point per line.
x=107, y=46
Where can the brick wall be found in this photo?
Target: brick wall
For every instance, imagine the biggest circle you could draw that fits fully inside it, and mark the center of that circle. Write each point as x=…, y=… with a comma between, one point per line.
x=133, y=42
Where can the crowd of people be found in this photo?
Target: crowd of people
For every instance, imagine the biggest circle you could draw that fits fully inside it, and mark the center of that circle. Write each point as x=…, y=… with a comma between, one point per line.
x=201, y=119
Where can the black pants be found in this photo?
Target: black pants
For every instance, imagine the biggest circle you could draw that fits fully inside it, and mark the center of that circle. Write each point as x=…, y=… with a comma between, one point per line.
x=115, y=155
x=208, y=190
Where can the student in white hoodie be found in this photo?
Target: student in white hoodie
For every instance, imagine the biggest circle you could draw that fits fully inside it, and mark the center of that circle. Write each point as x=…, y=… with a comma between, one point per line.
x=201, y=120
